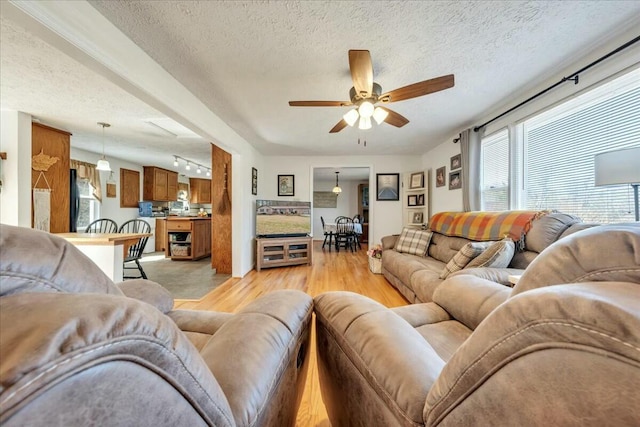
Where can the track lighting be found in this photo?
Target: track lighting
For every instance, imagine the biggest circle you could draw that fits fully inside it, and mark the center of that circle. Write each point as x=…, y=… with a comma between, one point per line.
x=199, y=167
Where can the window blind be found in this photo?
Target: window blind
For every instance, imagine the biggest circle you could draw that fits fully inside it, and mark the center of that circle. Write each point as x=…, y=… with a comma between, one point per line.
x=495, y=171
x=560, y=150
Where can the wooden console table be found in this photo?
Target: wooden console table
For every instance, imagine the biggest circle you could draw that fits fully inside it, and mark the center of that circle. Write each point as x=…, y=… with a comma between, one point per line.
x=280, y=252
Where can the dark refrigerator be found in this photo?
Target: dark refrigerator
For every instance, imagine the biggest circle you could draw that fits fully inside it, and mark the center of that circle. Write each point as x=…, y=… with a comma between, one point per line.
x=74, y=201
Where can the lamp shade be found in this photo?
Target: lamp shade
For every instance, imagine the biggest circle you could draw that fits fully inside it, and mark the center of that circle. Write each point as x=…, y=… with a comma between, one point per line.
x=617, y=167
x=103, y=165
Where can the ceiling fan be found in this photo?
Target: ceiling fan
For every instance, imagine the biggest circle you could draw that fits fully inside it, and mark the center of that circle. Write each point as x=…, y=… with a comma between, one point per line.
x=365, y=93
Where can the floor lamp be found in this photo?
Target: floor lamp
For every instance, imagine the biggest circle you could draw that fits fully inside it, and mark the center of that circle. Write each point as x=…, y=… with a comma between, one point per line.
x=620, y=167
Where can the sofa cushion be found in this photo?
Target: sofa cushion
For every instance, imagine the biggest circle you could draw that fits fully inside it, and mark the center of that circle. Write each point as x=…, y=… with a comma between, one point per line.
x=547, y=230
x=443, y=248
x=467, y=253
x=497, y=255
x=414, y=242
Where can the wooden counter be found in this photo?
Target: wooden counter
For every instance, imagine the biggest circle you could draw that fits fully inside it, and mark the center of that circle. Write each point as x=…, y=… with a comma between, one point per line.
x=188, y=238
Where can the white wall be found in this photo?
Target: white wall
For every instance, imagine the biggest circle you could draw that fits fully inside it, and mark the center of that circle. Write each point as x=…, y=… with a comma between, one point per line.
x=110, y=206
x=385, y=217
x=15, y=195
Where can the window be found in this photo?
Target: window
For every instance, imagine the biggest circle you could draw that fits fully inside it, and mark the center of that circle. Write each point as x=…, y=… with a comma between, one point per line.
x=557, y=151
x=89, y=209
x=495, y=172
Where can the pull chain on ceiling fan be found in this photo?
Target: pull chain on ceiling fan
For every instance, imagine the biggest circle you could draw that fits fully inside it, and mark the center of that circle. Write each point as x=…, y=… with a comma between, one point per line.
x=365, y=94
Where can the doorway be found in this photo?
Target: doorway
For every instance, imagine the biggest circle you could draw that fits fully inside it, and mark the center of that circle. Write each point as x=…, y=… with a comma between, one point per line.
x=354, y=182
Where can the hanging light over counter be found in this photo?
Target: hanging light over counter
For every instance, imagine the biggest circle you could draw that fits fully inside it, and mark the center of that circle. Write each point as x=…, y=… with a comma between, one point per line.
x=103, y=164
x=337, y=188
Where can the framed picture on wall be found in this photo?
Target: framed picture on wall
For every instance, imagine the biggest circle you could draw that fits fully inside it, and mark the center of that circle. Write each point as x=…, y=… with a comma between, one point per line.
x=441, y=177
x=416, y=218
x=387, y=186
x=456, y=162
x=455, y=180
x=254, y=181
x=412, y=200
x=417, y=180
x=420, y=199
x=286, y=185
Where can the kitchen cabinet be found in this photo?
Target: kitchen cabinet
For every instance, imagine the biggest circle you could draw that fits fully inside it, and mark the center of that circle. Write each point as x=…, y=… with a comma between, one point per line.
x=280, y=252
x=188, y=238
x=160, y=185
x=161, y=235
x=129, y=188
x=200, y=190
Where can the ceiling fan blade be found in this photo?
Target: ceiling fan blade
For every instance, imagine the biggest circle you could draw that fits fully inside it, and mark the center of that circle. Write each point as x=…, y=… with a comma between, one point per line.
x=418, y=89
x=339, y=126
x=319, y=103
x=395, y=119
x=361, y=71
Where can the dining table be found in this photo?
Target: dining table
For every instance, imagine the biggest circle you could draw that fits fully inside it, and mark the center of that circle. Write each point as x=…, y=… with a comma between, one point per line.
x=106, y=250
x=332, y=227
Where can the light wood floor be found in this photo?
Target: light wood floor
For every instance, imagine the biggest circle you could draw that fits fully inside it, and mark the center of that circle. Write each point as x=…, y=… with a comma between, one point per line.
x=331, y=271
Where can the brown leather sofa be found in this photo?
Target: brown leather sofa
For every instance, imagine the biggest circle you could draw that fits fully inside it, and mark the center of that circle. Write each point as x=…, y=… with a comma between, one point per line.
x=561, y=348
x=417, y=277
x=76, y=351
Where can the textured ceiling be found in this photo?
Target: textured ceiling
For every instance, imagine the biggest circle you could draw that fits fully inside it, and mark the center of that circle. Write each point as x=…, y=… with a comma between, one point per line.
x=246, y=60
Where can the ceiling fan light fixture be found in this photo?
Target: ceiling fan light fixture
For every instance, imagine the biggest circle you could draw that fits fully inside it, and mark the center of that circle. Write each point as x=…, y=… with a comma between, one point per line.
x=351, y=117
x=379, y=114
x=365, y=123
x=366, y=109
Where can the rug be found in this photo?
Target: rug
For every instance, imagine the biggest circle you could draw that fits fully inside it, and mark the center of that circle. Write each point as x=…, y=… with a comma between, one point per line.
x=184, y=279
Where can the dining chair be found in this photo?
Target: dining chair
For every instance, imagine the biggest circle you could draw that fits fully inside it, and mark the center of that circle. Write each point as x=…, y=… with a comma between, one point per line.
x=103, y=225
x=135, y=251
x=357, y=218
x=327, y=235
x=345, y=235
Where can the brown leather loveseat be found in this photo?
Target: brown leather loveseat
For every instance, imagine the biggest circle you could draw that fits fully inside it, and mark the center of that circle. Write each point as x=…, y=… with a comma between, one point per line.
x=561, y=348
x=76, y=351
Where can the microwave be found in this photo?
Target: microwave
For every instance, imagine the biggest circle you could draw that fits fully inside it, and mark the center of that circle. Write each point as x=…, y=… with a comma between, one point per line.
x=179, y=207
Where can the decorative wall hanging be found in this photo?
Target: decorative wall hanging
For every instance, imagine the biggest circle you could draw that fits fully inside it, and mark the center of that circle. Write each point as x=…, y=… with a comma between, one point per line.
x=455, y=180
x=456, y=162
x=325, y=199
x=42, y=196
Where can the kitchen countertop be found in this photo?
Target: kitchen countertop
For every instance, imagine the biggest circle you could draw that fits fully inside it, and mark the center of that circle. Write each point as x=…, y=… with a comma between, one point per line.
x=175, y=218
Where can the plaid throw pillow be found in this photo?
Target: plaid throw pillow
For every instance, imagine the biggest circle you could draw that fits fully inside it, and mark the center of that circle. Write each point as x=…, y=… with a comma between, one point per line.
x=463, y=257
x=414, y=242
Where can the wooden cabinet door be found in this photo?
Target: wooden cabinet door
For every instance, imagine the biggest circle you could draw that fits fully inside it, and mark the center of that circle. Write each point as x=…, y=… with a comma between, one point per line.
x=129, y=188
x=172, y=186
x=160, y=185
x=205, y=191
x=56, y=144
x=161, y=235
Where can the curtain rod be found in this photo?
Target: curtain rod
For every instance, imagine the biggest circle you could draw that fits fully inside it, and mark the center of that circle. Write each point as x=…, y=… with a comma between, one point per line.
x=573, y=77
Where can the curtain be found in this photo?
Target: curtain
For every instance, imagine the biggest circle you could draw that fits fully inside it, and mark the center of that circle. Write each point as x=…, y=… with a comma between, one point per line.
x=471, y=151
x=88, y=171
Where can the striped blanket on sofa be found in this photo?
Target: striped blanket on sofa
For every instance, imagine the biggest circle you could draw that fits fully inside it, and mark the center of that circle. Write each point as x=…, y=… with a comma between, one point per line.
x=485, y=226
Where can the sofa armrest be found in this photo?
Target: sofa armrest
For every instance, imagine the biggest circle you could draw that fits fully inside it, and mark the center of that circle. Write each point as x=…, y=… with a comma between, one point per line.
x=148, y=291
x=388, y=242
x=498, y=275
x=260, y=356
x=579, y=337
x=372, y=364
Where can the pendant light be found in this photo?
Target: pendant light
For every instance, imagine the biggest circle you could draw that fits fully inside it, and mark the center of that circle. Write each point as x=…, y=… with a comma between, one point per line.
x=337, y=188
x=103, y=164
